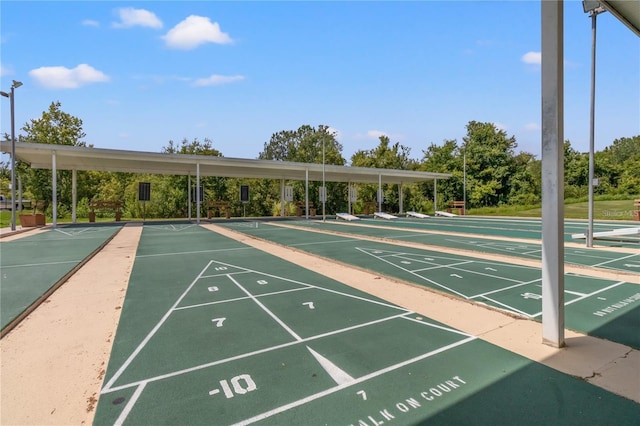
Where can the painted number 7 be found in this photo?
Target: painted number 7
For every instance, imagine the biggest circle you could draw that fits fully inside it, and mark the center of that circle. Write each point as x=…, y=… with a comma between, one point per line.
x=218, y=321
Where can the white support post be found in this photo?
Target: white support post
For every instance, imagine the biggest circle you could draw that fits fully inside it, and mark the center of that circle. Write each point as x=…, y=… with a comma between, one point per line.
x=198, y=200
x=379, y=192
x=54, y=188
x=282, y=197
x=552, y=174
x=400, y=197
x=435, y=195
x=74, y=196
x=189, y=196
x=306, y=190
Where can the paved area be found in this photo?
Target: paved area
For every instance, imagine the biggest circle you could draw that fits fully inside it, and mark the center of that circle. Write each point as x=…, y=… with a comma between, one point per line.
x=34, y=264
x=209, y=320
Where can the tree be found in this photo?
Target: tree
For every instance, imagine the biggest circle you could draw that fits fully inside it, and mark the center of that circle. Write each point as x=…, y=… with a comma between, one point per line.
x=59, y=128
x=490, y=161
x=175, y=191
x=384, y=156
x=306, y=145
x=447, y=158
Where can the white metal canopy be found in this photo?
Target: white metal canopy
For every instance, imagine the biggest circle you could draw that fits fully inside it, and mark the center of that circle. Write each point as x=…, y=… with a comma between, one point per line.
x=83, y=158
x=627, y=12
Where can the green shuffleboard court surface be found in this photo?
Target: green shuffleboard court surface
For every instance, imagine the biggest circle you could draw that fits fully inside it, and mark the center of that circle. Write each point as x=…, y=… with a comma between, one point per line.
x=216, y=332
x=33, y=264
x=628, y=262
x=595, y=306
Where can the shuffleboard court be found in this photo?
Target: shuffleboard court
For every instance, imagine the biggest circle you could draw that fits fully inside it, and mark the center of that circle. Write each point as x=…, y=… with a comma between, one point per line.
x=508, y=227
x=32, y=265
x=598, y=307
x=628, y=261
x=216, y=332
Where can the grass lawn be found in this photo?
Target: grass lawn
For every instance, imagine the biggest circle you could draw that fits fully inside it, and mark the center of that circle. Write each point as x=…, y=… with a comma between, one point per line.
x=602, y=210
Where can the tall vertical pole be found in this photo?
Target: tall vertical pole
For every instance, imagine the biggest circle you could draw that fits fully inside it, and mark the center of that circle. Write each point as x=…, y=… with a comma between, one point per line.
x=594, y=14
x=74, y=195
x=552, y=173
x=13, y=160
x=324, y=188
x=464, y=180
x=198, y=200
x=54, y=188
x=435, y=196
x=306, y=191
x=379, y=192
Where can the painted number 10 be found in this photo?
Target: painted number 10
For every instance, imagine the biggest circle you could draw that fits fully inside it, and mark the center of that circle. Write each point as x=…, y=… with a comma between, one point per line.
x=239, y=385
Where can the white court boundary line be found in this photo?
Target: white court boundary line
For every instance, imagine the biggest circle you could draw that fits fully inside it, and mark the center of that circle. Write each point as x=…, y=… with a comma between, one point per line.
x=125, y=365
x=506, y=307
x=334, y=389
x=168, y=227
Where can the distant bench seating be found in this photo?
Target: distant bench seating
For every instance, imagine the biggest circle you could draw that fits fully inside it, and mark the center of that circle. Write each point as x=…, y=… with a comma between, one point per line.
x=456, y=205
x=105, y=205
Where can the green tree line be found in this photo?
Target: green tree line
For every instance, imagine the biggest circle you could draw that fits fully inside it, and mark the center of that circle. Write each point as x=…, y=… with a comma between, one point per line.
x=485, y=167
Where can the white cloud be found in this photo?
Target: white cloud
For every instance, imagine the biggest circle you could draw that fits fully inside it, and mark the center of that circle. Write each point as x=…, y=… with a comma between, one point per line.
x=4, y=70
x=532, y=127
x=375, y=134
x=90, y=23
x=217, y=80
x=501, y=126
x=65, y=78
x=334, y=132
x=534, y=58
x=194, y=31
x=130, y=17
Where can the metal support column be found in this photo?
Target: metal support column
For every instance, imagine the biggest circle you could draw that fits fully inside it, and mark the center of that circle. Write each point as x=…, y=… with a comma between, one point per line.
x=74, y=195
x=54, y=188
x=552, y=174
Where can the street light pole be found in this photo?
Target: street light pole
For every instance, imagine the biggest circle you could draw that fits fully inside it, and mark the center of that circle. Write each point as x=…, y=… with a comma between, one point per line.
x=593, y=8
x=324, y=188
x=11, y=97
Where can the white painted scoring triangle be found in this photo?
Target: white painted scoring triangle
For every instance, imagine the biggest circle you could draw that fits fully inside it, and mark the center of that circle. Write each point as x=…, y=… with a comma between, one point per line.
x=334, y=371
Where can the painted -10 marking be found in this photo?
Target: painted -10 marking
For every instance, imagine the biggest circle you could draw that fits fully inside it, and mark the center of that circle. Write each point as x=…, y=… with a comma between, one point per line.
x=240, y=385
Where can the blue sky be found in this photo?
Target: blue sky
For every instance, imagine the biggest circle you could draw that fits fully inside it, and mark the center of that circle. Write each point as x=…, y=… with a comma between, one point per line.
x=142, y=73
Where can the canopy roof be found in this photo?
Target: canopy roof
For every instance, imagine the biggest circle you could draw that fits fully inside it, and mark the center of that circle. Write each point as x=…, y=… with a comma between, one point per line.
x=627, y=11
x=83, y=158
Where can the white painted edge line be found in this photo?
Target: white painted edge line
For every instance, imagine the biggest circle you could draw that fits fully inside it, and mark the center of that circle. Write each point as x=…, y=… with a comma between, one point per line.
x=375, y=374
x=249, y=354
x=571, y=302
x=236, y=299
x=504, y=288
x=127, y=409
x=412, y=273
x=31, y=265
x=153, y=331
x=267, y=310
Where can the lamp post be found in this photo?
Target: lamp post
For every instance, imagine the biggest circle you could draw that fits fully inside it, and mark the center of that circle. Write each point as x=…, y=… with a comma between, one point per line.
x=11, y=97
x=593, y=8
x=324, y=189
